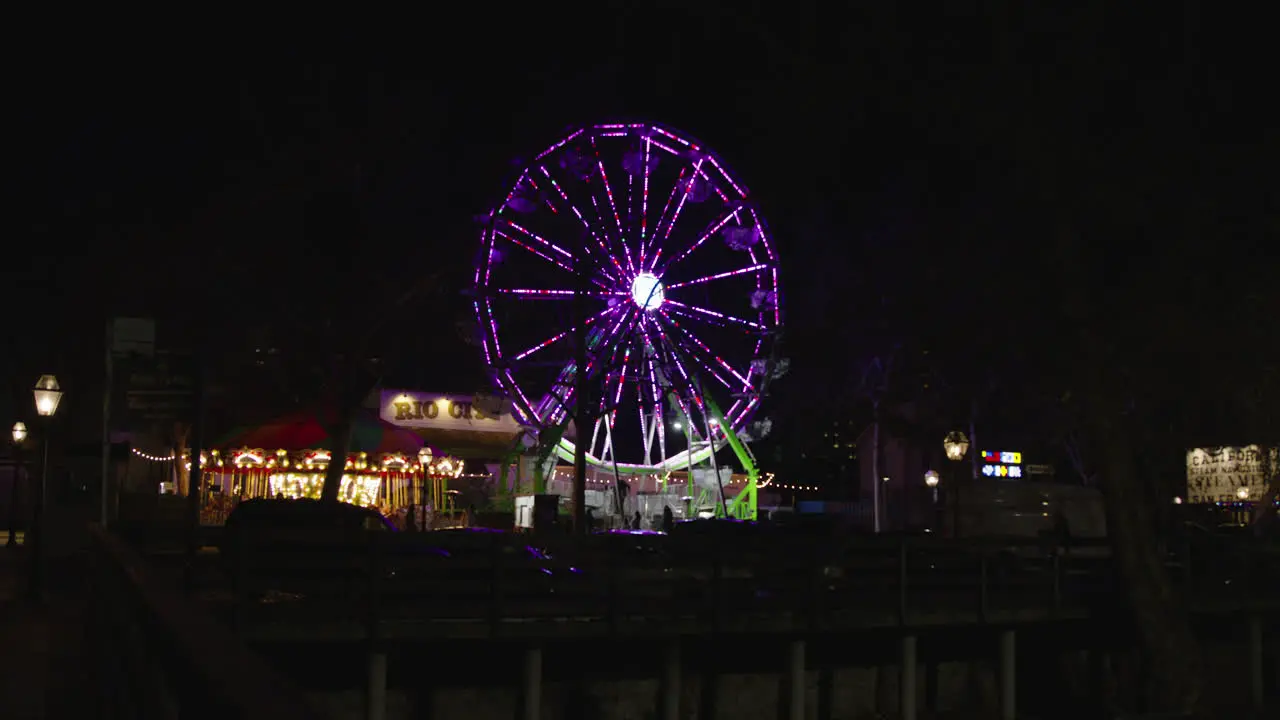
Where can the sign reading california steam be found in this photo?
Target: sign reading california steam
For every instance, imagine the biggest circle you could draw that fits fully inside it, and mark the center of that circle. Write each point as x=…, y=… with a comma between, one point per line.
x=1217, y=474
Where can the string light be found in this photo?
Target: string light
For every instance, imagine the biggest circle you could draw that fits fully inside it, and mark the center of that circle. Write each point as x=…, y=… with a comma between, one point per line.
x=1239, y=505
x=152, y=458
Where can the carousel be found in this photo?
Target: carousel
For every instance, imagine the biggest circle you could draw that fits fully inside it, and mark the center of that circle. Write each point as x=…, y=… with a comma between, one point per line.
x=388, y=468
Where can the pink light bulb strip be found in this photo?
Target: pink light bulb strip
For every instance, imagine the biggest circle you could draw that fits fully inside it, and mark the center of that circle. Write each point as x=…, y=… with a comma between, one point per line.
x=717, y=276
x=587, y=226
x=680, y=307
x=715, y=228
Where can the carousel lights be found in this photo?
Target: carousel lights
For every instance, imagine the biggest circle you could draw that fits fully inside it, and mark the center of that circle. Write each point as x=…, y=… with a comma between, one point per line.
x=356, y=489
x=317, y=459
x=248, y=457
x=186, y=460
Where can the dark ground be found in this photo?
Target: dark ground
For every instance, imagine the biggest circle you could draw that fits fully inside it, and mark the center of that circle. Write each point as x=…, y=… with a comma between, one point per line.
x=43, y=673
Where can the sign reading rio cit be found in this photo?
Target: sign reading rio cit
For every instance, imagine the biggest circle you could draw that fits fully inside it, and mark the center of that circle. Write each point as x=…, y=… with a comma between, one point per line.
x=408, y=408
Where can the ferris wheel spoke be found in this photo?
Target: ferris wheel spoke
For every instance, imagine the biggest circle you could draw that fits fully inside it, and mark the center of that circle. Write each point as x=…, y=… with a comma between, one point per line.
x=644, y=199
x=657, y=228
x=680, y=347
x=613, y=205
x=701, y=313
x=560, y=336
x=550, y=294
x=717, y=276
x=536, y=238
x=712, y=229
x=698, y=343
x=545, y=256
x=684, y=197
x=565, y=378
x=605, y=262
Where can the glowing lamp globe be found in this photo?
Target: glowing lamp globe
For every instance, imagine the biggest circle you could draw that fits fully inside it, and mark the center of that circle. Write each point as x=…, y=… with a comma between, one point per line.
x=646, y=291
x=48, y=395
x=931, y=478
x=1242, y=493
x=19, y=432
x=956, y=444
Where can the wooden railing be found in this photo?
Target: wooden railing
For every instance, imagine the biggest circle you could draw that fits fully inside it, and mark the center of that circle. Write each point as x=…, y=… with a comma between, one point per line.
x=162, y=657
x=491, y=583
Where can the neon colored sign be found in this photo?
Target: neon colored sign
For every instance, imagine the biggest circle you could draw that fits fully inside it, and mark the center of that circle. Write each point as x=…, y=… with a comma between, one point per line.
x=1009, y=471
x=1002, y=464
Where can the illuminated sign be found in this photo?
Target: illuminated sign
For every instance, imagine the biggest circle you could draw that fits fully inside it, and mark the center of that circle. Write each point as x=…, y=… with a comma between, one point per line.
x=1004, y=458
x=1002, y=464
x=1010, y=471
x=407, y=408
x=1217, y=474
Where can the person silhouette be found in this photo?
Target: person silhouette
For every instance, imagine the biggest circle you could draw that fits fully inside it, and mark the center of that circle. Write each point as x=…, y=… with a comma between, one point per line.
x=668, y=519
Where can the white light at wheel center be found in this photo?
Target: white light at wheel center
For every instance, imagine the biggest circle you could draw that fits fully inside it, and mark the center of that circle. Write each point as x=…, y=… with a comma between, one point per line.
x=646, y=290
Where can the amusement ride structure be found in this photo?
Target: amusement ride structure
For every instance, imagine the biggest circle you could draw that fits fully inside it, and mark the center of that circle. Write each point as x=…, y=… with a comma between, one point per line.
x=631, y=251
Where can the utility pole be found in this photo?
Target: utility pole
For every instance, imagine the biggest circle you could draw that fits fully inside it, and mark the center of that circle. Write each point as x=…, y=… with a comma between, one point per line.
x=106, y=426
x=195, y=479
x=581, y=414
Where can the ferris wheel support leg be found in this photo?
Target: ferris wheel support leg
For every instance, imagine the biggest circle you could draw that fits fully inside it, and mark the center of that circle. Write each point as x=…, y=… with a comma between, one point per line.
x=748, y=461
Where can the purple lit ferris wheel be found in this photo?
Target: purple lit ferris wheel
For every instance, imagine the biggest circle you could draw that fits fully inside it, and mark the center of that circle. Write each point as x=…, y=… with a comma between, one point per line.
x=678, y=279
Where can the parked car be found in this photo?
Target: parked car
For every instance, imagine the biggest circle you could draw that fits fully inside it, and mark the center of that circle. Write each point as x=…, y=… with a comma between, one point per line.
x=298, y=546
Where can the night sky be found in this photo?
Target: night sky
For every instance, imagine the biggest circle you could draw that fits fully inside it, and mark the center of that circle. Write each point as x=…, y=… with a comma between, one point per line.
x=916, y=172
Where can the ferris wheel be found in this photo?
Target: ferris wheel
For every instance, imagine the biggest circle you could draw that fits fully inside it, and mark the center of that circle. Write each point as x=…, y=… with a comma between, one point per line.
x=642, y=236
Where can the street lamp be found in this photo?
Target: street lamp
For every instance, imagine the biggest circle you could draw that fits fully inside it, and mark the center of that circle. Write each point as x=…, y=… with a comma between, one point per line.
x=48, y=395
x=931, y=479
x=955, y=444
x=19, y=437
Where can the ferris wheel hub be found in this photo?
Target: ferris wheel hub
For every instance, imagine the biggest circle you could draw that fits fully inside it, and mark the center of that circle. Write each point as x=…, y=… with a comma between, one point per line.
x=647, y=291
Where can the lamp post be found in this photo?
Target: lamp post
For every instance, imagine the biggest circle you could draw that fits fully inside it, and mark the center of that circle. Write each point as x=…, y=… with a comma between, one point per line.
x=931, y=481
x=955, y=444
x=19, y=438
x=47, y=396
